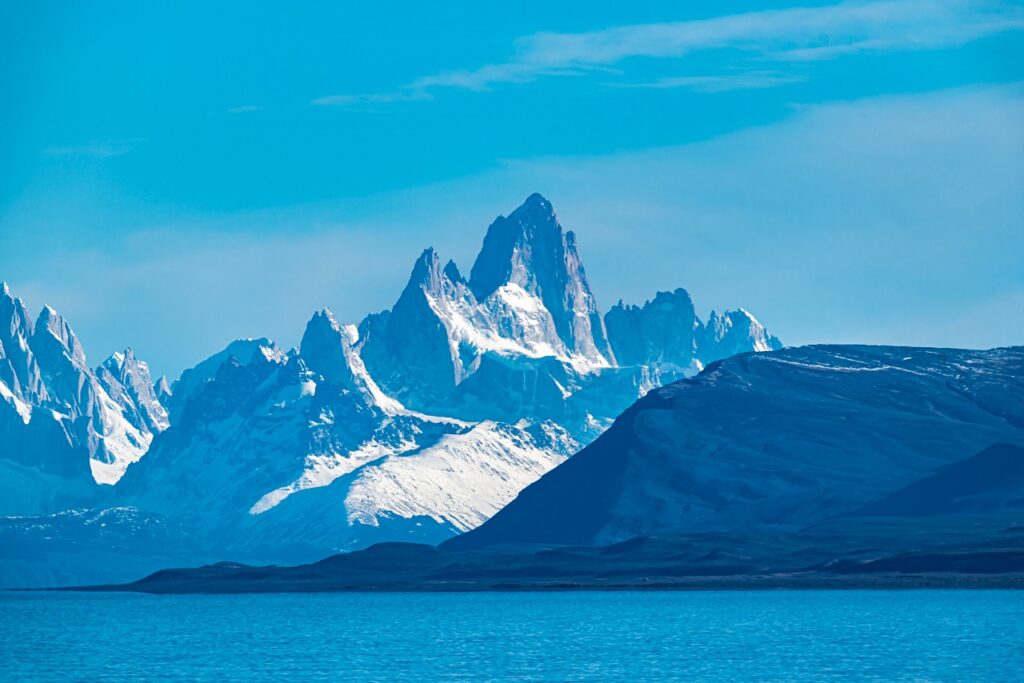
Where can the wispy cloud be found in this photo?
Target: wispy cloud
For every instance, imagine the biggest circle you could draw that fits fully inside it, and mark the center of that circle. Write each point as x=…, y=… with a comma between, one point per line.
x=915, y=199
x=845, y=27
x=100, y=149
x=245, y=109
x=752, y=80
x=794, y=34
x=372, y=98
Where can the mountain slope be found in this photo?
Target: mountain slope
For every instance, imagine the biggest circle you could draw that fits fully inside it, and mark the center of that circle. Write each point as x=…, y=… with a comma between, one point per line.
x=987, y=481
x=776, y=440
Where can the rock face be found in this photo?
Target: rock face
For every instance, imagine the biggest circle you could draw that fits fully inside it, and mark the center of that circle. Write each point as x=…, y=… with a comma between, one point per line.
x=664, y=332
x=19, y=370
x=127, y=381
x=775, y=441
x=63, y=427
x=192, y=381
x=733, y=332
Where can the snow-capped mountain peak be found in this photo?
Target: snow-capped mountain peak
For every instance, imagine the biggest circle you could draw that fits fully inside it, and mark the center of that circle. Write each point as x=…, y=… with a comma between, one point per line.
x=659, y=333
x=530, y=249
x=328, y=349
x=51, y=328
x=736, y=331
x=18, y=367
x=515, y=248
x=525, y=331
x=127, y=381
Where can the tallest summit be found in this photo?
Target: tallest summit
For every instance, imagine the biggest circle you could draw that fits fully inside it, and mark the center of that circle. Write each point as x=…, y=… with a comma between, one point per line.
x=527, y=246
x=530, y=249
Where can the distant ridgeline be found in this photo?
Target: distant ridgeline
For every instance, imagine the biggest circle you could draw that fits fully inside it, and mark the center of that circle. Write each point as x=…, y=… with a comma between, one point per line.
x=417, y=424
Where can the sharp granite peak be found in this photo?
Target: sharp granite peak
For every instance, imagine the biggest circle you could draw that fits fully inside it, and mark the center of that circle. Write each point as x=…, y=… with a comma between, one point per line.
x=65, y=427
x=446, y=344
x=419, y=423
x=531, y=250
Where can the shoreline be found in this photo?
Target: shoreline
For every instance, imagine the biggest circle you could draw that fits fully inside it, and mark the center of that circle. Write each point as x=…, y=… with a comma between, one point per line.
x=859, y=582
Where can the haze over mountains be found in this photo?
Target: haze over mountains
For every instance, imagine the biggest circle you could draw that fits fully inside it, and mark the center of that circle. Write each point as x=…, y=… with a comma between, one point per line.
x=417, y=424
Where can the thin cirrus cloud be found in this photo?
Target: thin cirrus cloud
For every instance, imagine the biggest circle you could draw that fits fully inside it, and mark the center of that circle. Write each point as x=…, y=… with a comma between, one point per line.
x=753, y=80
x=100, y=149
x=786, y=35
x=370, y=98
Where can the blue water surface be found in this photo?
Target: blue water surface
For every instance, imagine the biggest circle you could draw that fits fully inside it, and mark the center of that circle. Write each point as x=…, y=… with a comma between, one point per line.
x=851, y=635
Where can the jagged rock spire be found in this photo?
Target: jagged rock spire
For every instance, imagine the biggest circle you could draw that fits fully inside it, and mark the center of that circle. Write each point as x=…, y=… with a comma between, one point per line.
x=530, y=249
x=19, y=369
x=127, y=381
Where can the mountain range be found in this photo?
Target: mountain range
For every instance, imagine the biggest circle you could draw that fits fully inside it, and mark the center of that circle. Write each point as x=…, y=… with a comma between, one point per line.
x=820, y=466
x=417, y=424
x=66, y=428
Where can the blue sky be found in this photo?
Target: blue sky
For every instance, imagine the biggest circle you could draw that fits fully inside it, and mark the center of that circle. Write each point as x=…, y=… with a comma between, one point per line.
x=176, y=176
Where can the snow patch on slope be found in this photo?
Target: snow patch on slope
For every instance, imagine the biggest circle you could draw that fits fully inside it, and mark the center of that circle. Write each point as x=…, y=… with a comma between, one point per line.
x=463, y=479
x=23, y=409
x=321, y=469
x=509, y=322
x=122, y=441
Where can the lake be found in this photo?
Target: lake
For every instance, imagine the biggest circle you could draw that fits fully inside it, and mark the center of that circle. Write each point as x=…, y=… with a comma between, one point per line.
x=780, y=635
